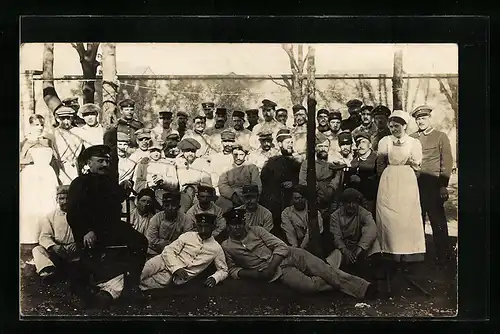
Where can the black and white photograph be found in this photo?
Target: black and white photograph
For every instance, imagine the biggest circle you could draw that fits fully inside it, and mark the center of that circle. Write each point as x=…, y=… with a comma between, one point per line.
x=238, y=179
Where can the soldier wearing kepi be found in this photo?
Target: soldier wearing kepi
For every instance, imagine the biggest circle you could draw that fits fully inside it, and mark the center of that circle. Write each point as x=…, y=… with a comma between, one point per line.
x=127, y=123
x=268, y=108
x=199, y=133
x=299, y=132
x=163, y=129
x=221, y=162
x=435, y=172
x=267, y=150
x=208, y=109
x=94, y=206
x=92, y=132
x=381, y=119
x=282, y=116
x=242, y=135
x=182, y=119
x=253, y=118
x=354, y=120
x=143, y=139
x=322, y=118
x=334, y=121
x=219, y=126
x=367, y=124
x=345, y=144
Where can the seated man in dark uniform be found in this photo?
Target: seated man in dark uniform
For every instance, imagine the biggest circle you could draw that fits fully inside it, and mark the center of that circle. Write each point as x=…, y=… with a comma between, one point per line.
x=94, y=207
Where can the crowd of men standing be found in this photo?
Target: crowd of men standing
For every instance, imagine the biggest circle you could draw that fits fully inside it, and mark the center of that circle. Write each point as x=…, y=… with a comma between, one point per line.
x=175, y=183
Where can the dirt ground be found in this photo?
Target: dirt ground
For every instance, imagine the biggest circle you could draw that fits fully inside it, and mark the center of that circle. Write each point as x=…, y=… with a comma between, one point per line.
x=240, y=298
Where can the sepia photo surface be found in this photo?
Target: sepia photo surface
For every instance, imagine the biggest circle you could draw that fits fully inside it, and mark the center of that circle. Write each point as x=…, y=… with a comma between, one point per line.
x=169, y=179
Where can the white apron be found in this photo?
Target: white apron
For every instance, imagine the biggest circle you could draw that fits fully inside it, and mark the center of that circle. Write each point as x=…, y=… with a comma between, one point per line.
x=399, y=219
x=38, y=186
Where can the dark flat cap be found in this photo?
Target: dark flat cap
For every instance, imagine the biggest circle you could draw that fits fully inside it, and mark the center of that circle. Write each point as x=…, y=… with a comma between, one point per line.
x=63, y=189
x=101, y=151
x=172, y=195
x=89, y=108
x=69, y=101
x=381, y=110
x=182, y=113
x=146, y=192
x=206, y=105
x=252, y=111
x=143, y=133
x=351, y=195
x=235, y=216
x=369, y=108
x=265, y=134
x=205, y=218
x=354, y=103
x=283, y=134
x=126, y=103
x=206, y=188
x=227, y=135
x=221, y=111
x=65, y=111
x=298, y=107
x=173, y=136
x=238, y=113
x=240, y=148
x=268, y=104
x=200, y=116
x=165, y=113
x=281, y=110
x=345, y=138
x=250, y=189
x=189, y=144
x=301, y=189
x=421, y=111
x=322, y=112
x=335, y=115
x=362, y=135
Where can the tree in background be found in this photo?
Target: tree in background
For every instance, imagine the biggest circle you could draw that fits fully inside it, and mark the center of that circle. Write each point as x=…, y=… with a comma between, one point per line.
x=109, y=85
x=89, y=67
x=297, y=83
x=397, y=81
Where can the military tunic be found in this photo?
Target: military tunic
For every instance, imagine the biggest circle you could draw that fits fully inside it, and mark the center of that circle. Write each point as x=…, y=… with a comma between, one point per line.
x=162, y=232
x=350, y=123
x=160, y=134
x=366, y=170
x=215, y=140
x=233, y=180
x=219, y=163
x=370, y=130
x=274, y=126
x=378, y=136
x=205, y=141
x=129, y=127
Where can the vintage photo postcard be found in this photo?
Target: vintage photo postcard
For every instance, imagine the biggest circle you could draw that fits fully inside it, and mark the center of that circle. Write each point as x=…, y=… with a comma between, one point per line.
x=226, y=179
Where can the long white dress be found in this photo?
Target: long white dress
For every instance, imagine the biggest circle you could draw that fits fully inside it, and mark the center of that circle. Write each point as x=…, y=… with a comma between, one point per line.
x=38, y=185
x=399, y=218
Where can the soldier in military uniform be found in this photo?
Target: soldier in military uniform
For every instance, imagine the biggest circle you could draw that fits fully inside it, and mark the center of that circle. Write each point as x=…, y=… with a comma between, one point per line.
x=143, y=140
x=282, y=116
x=299, y=132
x=367, y=124
x=72, y=102
x=278, y=176
x=242, y=135
x=253, y=118
x=267, y=150
x=268, y=108
x=381, y=119
x=334, y=120
x=354, y=120
x=363, y=176
x=126, y=124
x=346, y=153
x=182, y=120
x=92, y=133
x=94, y=202
x=323, y=125
x=163, y=129
x=208, y=109
x=220, y=125
x=222, y=161
x=199, y=133
x=435, y=172
x=68, y=143
x=170, y=149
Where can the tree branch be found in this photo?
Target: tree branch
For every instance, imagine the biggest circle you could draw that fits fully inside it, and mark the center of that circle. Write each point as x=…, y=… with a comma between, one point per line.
x=80, y=49
x=287, y=83
x=450, y=99
x=289, y=51
x=279, y=84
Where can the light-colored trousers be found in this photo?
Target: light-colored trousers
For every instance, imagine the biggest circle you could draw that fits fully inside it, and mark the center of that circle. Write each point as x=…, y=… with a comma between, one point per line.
x=155, y=274
x=335, y=258
x=43, y=259
x=307, y=273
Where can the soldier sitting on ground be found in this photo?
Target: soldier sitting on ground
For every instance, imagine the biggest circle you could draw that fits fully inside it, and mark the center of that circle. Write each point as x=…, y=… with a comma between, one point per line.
x=57, y=246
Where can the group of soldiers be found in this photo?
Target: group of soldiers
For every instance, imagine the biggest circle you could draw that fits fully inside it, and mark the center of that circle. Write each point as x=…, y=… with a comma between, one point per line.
x=237, y=193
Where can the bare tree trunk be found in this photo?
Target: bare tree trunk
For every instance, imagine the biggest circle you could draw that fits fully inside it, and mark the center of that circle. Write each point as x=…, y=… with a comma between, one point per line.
x=369, y=88
x=361, y=90
x=380, y=83
x=27, y=102
x=49, y=93
x=386, y=94
x=406, y=93
x=415, y=96
x=89, y=68
x=110, y=84
x=311, y=73
x=397, y=81
x=427, y=89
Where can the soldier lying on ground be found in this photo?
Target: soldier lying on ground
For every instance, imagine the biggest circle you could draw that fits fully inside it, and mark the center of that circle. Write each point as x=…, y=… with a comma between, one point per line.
x=254, y=253
x=187, y=257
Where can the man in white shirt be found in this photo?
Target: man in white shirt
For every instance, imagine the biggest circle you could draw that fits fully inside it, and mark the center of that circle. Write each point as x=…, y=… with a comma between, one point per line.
x=187, y=257
x=92, y=133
